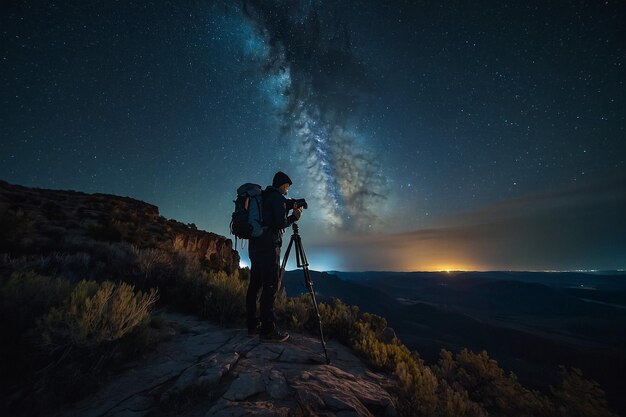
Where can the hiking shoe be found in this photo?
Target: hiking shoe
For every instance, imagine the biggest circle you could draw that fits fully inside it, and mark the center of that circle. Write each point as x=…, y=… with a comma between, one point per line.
x=274, y=336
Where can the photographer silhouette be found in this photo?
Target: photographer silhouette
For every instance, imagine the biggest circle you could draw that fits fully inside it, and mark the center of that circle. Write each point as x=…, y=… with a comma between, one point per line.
x=264, y=254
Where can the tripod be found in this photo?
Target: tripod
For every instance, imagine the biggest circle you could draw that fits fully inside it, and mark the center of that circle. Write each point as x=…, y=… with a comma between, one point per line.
x=302, y=262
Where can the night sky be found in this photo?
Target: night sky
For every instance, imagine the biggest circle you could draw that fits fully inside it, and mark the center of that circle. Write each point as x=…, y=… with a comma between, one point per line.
x=424, y=135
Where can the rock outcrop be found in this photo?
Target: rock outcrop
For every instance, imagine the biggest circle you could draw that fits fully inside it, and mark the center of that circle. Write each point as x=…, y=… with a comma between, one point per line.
x=38, y=220
x=212, y=248
x=208, y=371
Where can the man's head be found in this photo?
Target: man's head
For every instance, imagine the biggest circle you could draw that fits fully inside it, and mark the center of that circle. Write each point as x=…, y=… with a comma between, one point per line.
x=282, y=182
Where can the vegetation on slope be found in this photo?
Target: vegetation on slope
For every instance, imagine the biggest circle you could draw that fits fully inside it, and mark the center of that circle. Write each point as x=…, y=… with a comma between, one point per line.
x=462, y=384
x=77, y=329
x=76, y=302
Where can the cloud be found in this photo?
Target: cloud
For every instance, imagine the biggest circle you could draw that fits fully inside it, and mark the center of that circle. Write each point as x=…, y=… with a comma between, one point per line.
x=575, y=228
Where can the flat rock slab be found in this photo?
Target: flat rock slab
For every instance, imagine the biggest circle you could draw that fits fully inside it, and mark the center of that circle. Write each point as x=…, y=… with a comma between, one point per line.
x=222, y=372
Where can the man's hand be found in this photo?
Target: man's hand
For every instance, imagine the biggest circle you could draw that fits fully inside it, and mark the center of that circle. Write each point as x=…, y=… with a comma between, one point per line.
x=297, y=212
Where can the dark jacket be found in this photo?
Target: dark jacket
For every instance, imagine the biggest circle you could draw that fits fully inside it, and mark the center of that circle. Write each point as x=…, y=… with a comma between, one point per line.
x=275, y=219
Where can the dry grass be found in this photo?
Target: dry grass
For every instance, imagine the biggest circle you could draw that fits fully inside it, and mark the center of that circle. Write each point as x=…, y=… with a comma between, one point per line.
x=96, y=313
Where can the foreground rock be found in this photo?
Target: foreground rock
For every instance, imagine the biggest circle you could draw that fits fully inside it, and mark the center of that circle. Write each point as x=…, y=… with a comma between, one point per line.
x=209, y=371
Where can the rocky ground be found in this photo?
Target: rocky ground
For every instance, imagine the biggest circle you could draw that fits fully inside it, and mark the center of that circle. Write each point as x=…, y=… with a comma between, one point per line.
x=205, y=370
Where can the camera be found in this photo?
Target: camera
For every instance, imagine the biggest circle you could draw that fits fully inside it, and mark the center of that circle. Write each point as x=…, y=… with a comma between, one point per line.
x=299, y=202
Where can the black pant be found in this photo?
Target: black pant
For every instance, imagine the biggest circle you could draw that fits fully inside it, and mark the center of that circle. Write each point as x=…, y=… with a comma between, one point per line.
x=264, y=273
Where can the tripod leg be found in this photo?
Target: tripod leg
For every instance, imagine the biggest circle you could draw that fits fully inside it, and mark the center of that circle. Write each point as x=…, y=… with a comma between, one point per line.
x=281, y=283
x=309, y=284
x=300, y=252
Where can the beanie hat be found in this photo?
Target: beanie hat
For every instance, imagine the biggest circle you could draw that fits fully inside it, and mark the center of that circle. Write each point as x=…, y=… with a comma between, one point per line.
x=280, y=178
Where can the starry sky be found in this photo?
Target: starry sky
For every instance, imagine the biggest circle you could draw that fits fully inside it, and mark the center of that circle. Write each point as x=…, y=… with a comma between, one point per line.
x=424, y=135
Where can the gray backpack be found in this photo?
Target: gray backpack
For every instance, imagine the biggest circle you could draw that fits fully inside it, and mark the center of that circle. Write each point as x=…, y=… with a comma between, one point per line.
x=247, y=219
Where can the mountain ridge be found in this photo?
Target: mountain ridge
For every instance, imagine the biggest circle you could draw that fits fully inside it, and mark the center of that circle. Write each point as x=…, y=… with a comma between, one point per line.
x=62, y=249
x=65, y=219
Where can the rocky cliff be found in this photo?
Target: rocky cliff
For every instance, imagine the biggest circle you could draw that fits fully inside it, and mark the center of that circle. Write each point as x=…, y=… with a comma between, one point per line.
x=208, y=371
x=37, y=221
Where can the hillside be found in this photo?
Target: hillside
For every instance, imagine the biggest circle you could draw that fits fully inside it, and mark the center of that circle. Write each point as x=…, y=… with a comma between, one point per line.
x=54, y=241
x=531, y=322
x=107, y=308
x=38, y=221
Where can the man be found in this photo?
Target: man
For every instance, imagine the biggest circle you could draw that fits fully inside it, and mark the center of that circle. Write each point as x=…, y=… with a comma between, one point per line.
x=264, y=254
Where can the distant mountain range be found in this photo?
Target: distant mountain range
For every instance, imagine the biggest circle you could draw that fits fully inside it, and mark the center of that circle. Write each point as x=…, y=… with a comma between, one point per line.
x=531, y=322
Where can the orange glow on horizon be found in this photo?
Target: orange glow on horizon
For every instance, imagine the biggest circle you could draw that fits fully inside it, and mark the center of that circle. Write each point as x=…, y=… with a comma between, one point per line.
x=432, y=256
x=451, y=268
x=442, y=267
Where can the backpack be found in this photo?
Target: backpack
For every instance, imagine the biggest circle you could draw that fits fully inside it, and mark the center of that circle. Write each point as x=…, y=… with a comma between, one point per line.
x=247, y=219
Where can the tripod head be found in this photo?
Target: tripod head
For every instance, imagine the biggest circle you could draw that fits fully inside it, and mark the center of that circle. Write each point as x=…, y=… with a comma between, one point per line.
x=294, y=227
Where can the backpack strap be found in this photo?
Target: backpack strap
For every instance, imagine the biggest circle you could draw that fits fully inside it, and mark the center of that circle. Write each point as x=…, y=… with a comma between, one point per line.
x=260, y=206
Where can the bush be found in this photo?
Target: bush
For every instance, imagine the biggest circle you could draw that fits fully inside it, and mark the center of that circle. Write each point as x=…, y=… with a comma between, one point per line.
x=487, y=384
x=455, y=402
x=53, y=264
x=59, y=338
x=579, y=397
x=153, y=265
x=380, y=354
x=339, y=320
x=296, y=313
x=25, y=297
x=417, y=387
x=15, y=224
x=96, y=313
x=214, y=295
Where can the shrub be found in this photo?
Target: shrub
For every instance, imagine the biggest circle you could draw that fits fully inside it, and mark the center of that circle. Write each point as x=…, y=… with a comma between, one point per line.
x=113, y=259
x=68, y=265
x=380, y=354
x=579, y=397
x=416, y=383
x=295, y=312
x=15, y=224
x=417, y=388
x=96, y=313
x=152, y=264
x=226, y=298
x=186, y=264
x=455, y=402
x=489, y=385
x=25, y=297
x=214, y=295
x=339, y=320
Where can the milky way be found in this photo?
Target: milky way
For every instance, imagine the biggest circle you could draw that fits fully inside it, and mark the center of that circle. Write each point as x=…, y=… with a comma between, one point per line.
x=313, y=81
x=401, y=115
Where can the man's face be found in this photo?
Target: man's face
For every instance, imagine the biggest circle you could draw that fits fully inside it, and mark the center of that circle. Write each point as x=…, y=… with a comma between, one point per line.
x=284, y=188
